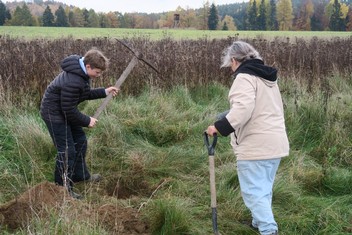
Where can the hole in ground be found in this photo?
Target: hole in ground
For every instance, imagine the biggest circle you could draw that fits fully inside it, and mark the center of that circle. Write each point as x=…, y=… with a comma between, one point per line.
x=123, y=188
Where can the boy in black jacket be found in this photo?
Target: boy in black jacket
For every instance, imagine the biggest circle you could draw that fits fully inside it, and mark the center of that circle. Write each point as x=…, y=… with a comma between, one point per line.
x=59, y=110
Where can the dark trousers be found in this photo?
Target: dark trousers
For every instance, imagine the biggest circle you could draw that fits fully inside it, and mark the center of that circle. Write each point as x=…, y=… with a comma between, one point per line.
x=71, y=144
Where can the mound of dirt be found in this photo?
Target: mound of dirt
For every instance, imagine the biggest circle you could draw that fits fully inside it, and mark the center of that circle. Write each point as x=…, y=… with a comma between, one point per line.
x=19, y=212
x=46, y=197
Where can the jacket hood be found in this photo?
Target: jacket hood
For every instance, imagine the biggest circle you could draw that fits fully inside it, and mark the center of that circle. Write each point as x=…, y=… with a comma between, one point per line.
x=71, y=65
x=257, y=68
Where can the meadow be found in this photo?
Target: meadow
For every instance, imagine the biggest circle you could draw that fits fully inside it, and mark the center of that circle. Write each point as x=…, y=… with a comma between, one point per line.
x=149, y=142
x=154, y=34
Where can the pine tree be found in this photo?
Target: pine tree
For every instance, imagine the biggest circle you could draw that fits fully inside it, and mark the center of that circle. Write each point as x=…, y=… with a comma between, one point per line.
x=22, y=17
x=261, y=19
x=61, y=17
x=27, y=16
x=252, y=16
x=272, y=22
x=4, y=13
x=103, y=20
x=93, y=19
x=213, y=18
x=336, y=21
x=48, y=17
x=85, y=17
x=318, y=18
x=224, y=27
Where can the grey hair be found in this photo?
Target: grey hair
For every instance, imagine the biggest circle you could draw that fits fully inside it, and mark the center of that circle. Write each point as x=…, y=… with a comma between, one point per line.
x=240, y=51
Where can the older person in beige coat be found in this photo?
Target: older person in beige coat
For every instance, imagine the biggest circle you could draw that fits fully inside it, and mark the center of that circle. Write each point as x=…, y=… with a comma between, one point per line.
x=256, y=124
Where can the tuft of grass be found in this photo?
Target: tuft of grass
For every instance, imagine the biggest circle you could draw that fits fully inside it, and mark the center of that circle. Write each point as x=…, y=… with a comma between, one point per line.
x=170, y=216
x=337, y=181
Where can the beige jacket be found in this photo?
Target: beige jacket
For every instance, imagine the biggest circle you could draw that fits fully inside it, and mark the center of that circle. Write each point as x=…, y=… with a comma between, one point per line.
x=257, y=119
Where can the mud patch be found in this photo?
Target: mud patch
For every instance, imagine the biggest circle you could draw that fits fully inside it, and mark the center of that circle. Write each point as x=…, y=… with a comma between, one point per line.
x=46, y=197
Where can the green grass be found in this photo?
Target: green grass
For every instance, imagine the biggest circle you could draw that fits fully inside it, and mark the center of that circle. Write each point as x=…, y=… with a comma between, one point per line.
x=153, y=145
x=155, y=34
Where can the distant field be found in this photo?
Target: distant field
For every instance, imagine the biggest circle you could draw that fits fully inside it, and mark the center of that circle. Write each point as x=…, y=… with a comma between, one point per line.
x=155, y=34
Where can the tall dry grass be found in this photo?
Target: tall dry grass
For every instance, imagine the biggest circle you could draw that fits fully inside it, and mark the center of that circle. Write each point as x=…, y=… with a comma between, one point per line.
x=31, y=65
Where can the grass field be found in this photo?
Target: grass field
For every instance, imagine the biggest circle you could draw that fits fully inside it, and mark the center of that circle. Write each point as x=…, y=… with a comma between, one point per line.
x=155, y=34
x=151, y=146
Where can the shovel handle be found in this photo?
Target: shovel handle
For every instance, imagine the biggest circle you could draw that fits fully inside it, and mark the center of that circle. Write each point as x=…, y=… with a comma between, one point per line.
x=211, y=150
x=210, y=147
x=118, y=83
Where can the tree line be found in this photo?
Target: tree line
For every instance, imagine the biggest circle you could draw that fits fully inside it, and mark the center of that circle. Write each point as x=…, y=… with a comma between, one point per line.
x=308, y=15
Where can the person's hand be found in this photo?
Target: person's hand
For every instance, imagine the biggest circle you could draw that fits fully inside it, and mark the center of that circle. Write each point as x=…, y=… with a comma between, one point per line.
x=211, y=130
x=113, y=90
x=92, y=122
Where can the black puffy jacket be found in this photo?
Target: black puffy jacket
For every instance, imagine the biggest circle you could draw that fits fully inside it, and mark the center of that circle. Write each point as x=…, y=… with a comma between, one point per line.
x=66, y=91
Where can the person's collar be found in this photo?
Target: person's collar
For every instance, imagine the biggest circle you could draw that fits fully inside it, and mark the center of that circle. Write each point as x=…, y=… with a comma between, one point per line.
x=82, y=65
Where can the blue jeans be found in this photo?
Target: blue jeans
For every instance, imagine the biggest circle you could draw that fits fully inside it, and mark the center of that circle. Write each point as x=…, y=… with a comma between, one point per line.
x=256, y=182
x=71, y=144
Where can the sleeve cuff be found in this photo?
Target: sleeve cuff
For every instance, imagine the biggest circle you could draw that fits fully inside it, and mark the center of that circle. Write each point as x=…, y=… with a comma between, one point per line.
x=224, y=127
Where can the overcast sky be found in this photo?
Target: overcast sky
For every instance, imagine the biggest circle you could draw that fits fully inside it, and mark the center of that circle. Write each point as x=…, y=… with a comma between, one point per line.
x=146, y=6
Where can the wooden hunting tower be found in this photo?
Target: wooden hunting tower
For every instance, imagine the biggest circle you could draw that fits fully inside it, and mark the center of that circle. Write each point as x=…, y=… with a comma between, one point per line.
x=176, y=20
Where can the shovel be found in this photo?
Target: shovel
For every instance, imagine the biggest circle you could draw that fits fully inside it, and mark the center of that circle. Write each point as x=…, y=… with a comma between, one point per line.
x=137, y=56
x=211, y=150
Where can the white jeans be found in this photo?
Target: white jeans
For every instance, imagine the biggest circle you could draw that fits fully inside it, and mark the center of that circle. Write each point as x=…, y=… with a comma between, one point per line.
x=256, y=182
